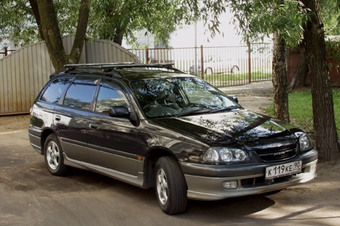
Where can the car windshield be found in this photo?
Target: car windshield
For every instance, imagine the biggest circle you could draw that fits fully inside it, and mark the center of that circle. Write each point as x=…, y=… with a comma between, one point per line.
x=180, y=96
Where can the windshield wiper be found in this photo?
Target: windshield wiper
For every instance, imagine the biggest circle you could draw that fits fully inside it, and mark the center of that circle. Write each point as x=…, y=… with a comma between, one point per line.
x=229, y=108
x=196, y=112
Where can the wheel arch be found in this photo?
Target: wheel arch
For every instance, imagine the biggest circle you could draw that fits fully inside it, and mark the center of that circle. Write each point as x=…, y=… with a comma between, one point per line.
x=150, y=165
x=44, y=136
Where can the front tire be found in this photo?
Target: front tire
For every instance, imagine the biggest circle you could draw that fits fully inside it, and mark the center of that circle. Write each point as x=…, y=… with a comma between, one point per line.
x=171, y=190
x=54, y=158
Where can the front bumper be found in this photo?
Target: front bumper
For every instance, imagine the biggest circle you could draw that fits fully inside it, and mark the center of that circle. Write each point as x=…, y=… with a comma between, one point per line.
x=249, y=180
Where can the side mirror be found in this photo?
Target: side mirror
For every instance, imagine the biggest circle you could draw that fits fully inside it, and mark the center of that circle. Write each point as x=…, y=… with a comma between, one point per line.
x=234, y=98
x=119, y=111
x=123, y=112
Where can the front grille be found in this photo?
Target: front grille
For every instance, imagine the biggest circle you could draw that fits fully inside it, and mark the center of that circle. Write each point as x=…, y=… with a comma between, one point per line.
x=260, y=181
x=277, y=153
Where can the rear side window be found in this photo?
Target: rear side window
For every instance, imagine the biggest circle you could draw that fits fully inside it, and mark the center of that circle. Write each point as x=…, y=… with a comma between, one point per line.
x=80, y=94
x=55, y=90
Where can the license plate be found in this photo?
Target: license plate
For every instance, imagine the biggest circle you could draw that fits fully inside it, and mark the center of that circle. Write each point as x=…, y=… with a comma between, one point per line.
x=283, y=170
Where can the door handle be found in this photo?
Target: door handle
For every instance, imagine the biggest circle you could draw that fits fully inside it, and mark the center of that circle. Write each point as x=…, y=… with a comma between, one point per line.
x=57, y=117
x=93, y=125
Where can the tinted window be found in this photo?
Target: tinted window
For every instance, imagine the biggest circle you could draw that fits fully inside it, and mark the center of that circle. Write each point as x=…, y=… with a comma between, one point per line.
x=55, y=90
x=81, y=93
x=179, y=96
x=110, y=95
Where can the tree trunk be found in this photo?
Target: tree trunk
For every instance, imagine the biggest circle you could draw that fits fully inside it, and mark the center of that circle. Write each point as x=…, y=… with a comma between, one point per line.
x=323, y=112
x=80, y=37
x=280, y=81
x=300, y=72
x=118, y=39
x=51, y=34
x=35, y=10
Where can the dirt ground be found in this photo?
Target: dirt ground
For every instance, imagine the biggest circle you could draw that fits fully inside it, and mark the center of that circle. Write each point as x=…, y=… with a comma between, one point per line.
x=12, y=123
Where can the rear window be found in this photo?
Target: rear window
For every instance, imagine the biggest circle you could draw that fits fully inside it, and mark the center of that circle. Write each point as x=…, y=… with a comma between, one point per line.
x=55, y=90
x=81, y=93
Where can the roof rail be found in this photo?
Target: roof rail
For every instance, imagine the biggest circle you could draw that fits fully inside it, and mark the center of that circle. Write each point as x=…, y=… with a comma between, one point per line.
x=113, y=66
x=168, y=66
x=94, y=65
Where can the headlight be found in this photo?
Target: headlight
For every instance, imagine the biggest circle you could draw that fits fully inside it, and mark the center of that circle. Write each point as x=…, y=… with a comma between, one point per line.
x=304, y=141
x=216, y=155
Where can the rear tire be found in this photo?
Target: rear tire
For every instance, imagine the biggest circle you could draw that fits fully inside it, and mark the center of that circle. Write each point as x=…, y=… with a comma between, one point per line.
x=54, y=158
x=171, y=189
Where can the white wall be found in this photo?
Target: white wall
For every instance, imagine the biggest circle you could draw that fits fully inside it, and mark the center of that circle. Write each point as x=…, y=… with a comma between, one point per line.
x=188, y=37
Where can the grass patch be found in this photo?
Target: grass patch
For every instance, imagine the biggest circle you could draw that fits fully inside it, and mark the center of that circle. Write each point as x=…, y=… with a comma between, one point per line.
x=232, y=79
x=301, y=111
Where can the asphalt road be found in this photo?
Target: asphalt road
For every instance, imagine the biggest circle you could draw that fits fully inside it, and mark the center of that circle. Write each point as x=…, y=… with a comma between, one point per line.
x=31, y=196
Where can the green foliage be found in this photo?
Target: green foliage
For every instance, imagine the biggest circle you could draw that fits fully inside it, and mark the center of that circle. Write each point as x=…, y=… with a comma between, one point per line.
x=110, y=19
x=331, y=16
x=260, y=18
x=210, y=12
x=117, y=18
x=16, y=22
x=67, y=12
x=253, y=19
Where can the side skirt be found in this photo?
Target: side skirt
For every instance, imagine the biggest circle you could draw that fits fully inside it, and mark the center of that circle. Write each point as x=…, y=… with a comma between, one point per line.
x=137, y=181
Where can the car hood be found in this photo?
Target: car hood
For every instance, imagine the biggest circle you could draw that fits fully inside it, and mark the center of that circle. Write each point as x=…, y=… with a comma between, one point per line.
x=242, y=126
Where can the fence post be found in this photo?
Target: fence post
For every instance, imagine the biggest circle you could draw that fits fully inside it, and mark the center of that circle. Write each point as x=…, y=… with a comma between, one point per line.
x=249, y=63
x=147, y=55
x=202, y=63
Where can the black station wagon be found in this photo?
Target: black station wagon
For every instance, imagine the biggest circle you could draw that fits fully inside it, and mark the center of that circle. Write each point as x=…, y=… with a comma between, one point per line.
x=151, y=125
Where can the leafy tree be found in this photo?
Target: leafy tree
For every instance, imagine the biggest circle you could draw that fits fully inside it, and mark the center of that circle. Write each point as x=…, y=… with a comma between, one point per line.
x=280, y=83
x=47, y=21
x=42, y=23
x=280, y=19
x=109, y=19
x=322, y=98
x=295, y=22
x=331, y=16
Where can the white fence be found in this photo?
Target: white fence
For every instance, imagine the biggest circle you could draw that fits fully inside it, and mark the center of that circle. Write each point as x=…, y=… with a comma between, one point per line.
x=220, y=65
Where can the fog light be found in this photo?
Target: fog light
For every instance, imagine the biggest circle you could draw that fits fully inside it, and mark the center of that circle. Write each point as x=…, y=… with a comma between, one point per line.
x=312, y=168
x=230, y=184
